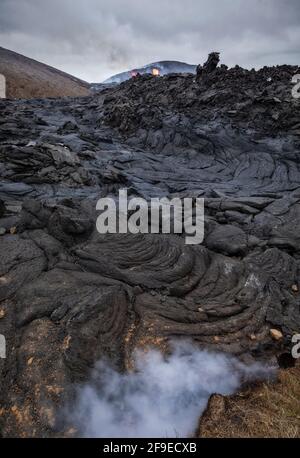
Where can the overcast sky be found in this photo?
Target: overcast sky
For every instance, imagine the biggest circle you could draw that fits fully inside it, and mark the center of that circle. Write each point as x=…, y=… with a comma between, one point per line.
x=93, y=39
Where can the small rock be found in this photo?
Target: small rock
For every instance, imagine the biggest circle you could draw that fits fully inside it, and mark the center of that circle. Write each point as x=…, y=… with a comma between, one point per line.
x=2, y=313
x=137, y=290
x=217, y=339
x=13, y=230
x=276, y=335
x=2, y=230
x=252, y=337
x=31, y=143
x=295, y=288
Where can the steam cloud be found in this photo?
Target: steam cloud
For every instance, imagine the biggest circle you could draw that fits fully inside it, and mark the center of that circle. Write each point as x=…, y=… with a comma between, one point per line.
x=164, y=397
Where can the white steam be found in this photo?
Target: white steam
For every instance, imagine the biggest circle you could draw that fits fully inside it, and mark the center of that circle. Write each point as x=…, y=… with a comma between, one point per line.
x=164, y=397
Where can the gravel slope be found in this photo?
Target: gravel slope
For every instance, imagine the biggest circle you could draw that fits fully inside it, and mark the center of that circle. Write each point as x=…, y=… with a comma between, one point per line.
x=26, y=78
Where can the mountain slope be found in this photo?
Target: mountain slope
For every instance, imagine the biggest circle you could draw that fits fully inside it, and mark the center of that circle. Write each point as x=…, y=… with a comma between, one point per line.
x=27, y=78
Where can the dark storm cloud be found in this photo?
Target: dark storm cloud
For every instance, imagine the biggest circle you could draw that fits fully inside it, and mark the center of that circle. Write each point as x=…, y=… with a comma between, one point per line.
x=94, y=38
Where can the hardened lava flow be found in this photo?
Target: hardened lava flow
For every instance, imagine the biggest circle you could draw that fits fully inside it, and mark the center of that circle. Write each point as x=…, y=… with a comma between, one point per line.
x=70, y=296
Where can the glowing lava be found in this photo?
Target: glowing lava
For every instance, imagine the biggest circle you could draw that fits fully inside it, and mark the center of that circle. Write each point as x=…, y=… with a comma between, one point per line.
x=155, y=72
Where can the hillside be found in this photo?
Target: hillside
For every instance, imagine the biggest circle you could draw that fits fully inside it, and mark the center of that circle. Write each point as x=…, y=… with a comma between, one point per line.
x=26, y=78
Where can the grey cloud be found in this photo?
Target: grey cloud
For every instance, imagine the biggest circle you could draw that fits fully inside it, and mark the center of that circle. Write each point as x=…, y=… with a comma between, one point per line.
x=94, y=38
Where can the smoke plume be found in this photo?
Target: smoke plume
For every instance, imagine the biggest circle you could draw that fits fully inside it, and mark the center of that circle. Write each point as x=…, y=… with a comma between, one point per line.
x=163, y=397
